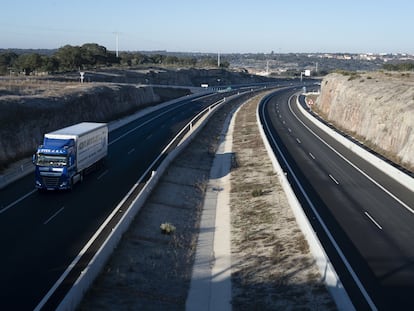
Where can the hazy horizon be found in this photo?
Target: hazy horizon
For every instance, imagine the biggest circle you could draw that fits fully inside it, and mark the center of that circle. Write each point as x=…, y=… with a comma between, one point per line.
x=186, y=26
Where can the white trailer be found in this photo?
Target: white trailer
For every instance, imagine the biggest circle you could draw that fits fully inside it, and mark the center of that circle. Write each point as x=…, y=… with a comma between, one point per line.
x=66, y=153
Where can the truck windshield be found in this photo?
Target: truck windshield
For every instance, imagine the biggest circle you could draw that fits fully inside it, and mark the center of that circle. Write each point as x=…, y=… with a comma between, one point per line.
x=51, y=160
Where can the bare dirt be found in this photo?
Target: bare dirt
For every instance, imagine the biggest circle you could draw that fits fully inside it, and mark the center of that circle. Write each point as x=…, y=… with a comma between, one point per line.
x=272, y=266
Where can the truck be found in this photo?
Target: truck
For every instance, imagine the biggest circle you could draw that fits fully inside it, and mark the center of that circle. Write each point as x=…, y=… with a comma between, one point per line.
x=66, y=154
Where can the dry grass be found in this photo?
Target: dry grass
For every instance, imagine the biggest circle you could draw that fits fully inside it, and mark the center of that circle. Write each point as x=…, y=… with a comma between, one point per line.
x=272, y=267
x=272, y=262
x=39, y=87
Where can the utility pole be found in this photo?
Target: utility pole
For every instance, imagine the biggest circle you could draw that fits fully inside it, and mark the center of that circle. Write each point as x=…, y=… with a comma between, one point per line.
x=117, y=43
x=218, y=59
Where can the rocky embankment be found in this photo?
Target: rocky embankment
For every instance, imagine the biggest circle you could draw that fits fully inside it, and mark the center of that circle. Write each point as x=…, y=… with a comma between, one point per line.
x=166, y=76
x=31, y=107
x=376, y=107
x=24, y=118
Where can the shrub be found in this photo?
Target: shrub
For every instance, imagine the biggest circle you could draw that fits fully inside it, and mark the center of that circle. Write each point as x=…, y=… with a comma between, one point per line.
x=257, y=192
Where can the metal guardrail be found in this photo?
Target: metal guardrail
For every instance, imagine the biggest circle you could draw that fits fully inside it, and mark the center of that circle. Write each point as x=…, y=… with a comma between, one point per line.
x=25, y=167
x=20, y=169
x=125, y=213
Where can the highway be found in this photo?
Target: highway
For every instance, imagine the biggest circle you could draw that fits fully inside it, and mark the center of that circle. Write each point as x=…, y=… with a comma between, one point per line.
x=369, y=215
x=42, y=233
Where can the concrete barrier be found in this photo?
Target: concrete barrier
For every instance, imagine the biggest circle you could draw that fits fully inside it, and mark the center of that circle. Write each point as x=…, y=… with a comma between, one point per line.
x=328, y=273
x=404, y=179
x=25, y=167
x=82, y=284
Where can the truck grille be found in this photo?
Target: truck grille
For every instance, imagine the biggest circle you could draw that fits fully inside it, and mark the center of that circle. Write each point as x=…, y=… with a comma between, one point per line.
x=50, y=181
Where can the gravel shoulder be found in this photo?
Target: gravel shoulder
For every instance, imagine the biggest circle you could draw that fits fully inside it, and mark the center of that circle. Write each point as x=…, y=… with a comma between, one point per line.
x=272, y=268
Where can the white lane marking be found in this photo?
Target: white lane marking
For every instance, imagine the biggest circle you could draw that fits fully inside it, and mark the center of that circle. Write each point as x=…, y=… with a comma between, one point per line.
x=131, y=151
x=17, y=201
x=53, y=216
x=102, y=175
x=333, y=178
x=146, y=122
x=352, y=164
x=290, y=131
x=319, y=218
x=312, y=156
x=373, y=220
x=298, y=140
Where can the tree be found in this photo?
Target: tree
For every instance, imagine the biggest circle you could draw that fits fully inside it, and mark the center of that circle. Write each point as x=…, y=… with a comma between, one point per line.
x=224, y=64
x=157, y=59
x=405, y=66
x=28, y=63
x=93, y=54
x=69, y=57
x=171, y=60
x=50, y=64
x=6, y=62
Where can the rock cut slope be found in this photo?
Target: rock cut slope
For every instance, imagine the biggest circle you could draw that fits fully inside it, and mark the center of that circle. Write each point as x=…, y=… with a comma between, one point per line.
x=377, y=107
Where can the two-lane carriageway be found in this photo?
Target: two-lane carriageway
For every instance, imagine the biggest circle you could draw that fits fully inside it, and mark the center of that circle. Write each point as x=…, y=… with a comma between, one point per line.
x=364, y=219
x=42, y=233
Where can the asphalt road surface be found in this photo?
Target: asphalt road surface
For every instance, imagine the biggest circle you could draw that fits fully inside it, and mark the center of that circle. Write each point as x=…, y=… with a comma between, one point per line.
x=370, y=216
x=41, y=233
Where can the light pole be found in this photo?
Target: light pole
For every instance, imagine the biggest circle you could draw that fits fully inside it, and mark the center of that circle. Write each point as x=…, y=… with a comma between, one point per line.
x=117, y=43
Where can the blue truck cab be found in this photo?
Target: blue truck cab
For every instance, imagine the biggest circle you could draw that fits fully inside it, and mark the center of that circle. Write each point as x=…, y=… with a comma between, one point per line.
x=66, y=153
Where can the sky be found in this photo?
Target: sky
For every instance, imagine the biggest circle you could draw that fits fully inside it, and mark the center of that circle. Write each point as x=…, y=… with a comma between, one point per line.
x=212, y=26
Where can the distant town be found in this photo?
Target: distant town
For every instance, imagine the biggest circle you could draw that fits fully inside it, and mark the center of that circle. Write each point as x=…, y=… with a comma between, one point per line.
x=91, y=56
x=318, y=63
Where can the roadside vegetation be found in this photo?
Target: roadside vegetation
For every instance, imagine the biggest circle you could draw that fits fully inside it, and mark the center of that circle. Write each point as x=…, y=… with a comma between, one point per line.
x=405, y=66
x=270, y=256
x=90, y=56
x=272, y=267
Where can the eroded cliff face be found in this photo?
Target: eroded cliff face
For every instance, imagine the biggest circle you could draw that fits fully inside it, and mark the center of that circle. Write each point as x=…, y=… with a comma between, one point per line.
x=376, y=106
x=24, y=119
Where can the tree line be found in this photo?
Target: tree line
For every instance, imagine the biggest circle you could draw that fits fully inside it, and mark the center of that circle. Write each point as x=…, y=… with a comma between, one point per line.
x=87, y=56
x=405, y=66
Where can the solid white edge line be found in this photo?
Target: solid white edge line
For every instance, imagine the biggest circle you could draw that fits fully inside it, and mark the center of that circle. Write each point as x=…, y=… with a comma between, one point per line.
x=352, y=164
x=145, y=123
x=84, y=249
x=325, y=228
x=105, y=223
